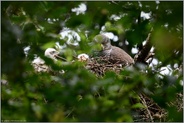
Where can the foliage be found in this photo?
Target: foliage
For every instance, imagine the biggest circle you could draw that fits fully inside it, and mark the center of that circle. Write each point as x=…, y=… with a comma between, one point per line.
x=78, y=94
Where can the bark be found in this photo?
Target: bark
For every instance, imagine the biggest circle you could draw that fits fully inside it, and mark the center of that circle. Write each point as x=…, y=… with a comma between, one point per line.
x=144, y=54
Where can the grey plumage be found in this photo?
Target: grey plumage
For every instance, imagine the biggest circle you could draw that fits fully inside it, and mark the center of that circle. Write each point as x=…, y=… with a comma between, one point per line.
x=115, y=54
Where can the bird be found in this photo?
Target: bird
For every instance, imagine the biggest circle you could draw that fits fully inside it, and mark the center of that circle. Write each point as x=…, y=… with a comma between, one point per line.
x=39, y=64
x=115, y=54
x=83, y=57
x=53, y=54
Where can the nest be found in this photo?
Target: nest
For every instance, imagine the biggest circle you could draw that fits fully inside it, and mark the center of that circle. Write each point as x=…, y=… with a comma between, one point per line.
x=151, y=111
x=100, y=65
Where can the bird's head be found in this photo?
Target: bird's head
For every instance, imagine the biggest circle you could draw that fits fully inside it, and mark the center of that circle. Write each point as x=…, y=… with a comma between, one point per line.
x=83, y=57
x=51, y=53
x=104, y=41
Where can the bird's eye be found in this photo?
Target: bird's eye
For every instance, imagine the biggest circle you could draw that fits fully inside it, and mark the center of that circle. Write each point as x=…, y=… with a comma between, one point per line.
x=52, y=52
x=104, y=42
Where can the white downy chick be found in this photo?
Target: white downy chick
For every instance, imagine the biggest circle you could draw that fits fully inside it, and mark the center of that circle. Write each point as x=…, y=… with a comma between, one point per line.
x=51, y=53
x=39, y=65
x=83, y=57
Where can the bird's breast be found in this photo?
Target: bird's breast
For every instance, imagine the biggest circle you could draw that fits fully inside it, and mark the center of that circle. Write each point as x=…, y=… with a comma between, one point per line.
x=107, y=52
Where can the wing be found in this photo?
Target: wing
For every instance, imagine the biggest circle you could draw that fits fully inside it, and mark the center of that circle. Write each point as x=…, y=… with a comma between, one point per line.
x=117, y=54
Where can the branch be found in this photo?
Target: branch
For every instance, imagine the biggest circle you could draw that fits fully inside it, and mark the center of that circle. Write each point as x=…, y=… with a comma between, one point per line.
x=145, y=104
x=144, y=53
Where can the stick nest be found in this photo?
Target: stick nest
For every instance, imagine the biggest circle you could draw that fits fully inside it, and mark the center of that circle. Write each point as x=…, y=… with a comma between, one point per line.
x=100, y=65
x=152, y=111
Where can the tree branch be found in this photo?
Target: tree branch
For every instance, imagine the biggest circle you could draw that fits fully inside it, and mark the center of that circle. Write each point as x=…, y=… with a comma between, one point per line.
x=144, y=53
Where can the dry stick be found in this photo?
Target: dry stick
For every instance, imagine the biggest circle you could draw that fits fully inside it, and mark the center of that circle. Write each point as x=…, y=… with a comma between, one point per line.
x=39, y=66
x=144, y=102
x=60, y=57
x=70, y=112
x=45, y=100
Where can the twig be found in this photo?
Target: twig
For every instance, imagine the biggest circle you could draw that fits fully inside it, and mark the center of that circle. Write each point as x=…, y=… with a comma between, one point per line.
x=144, y=103
x=70, y=112
x=59, y=57
x=45, y=100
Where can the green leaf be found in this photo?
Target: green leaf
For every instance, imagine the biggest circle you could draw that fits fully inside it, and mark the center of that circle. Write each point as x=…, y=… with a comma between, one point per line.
x=47, y=45
x=138, y=105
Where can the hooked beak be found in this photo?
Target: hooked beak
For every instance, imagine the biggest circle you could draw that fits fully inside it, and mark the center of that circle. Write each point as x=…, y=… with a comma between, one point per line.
x=102, y=47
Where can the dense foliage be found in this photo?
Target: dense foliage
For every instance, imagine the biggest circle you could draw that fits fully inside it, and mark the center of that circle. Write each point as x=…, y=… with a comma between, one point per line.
x=78, y=94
